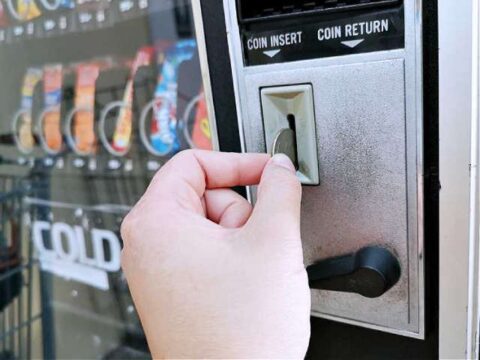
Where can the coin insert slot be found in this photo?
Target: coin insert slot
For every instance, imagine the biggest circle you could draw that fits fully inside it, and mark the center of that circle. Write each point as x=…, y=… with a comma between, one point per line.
x=289, y=125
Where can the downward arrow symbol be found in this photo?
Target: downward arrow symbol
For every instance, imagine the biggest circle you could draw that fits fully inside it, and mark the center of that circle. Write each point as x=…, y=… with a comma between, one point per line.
x=353, y=43
x=271, y=53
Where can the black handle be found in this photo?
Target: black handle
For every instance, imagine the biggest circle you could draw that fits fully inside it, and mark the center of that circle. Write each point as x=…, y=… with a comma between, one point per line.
x=370, y=272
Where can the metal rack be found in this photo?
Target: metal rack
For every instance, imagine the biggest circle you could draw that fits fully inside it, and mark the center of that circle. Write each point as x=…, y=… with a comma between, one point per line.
x=22, y=319
x=28, y=306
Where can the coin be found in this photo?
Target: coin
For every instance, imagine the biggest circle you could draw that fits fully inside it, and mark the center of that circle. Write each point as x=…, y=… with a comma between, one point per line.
x=285, y=142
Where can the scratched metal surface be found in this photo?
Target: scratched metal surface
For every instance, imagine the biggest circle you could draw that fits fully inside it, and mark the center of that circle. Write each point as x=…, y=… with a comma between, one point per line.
x=362, y=199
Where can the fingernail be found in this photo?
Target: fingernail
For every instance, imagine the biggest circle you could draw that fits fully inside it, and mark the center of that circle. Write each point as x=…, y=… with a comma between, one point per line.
x=283, y=161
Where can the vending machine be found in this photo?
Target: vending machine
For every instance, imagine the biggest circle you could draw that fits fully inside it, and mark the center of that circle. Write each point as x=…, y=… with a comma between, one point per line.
x=95, y=96
x=375, y=101
x=353, y=87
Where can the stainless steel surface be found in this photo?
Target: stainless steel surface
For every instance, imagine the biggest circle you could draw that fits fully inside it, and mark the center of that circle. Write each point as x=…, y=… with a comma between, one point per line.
x=455, y=57
x=369, y=122
x=473, y=329
x=362, y=197
x=79, y=306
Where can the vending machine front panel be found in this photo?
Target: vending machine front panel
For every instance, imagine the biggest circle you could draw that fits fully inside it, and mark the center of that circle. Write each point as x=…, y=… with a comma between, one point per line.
x=349, y=76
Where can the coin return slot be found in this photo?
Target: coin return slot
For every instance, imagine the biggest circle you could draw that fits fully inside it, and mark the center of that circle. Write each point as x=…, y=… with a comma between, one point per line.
x=289, y=125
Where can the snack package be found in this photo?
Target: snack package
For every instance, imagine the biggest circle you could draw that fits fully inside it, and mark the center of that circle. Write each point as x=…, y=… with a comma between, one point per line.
x=68, y=4
x=201, y=135
x=52, y=5
x=25, y=10
x=164, y=136
x=123, y=130
x=52, y=90
x=3, y=16
x=84, y=121
x=24, y=126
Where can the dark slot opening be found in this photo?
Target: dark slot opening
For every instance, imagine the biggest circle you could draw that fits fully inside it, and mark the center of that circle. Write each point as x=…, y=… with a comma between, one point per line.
x=291, y=121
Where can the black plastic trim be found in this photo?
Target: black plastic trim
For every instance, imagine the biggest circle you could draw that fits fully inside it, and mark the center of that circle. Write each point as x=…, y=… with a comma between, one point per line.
x=294, y=8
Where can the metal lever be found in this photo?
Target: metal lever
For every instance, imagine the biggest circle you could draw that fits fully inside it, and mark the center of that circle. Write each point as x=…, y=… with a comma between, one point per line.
x=370, y=272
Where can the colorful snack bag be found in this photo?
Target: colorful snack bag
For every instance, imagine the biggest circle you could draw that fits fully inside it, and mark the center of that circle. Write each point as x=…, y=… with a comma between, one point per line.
x=164, y=136
x=3, y=16
x=53, y=5
x=25, y=10
x=201, y=135
x=23, y=118
x=52, y=89
x=123, y=129
x=84, y=122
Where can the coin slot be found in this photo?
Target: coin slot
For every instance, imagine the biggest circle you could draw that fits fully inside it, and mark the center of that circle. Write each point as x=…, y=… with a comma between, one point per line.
x=291, y=124
x=291, y=121
x=292, y=108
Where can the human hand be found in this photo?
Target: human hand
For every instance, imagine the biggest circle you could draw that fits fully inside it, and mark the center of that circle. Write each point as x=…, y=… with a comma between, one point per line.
x=210, y=276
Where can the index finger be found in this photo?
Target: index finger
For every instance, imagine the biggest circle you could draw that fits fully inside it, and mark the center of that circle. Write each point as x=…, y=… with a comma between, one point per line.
x=191, y=172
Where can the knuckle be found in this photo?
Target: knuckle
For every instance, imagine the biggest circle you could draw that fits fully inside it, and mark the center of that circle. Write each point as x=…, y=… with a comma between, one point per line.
x=124, y=258
x=187, y=152
x=127, y=226
x=184, y=154
x=178, y=157
x=184, y=158
x=124, y=228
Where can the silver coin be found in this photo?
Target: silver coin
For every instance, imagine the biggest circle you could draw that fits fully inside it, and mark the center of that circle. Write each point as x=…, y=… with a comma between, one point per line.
x=285, y=143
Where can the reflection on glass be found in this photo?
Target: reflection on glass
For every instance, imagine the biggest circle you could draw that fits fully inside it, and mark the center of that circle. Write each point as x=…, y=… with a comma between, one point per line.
x=96, y=96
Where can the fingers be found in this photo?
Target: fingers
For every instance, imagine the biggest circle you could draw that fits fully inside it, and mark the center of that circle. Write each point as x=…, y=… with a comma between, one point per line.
x=212, y=170
x=279, y=198
x=187, y=175
x=227, y=208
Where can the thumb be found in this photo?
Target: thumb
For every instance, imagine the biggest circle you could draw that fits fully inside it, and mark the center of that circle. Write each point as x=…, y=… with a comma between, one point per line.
x=278, y=198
